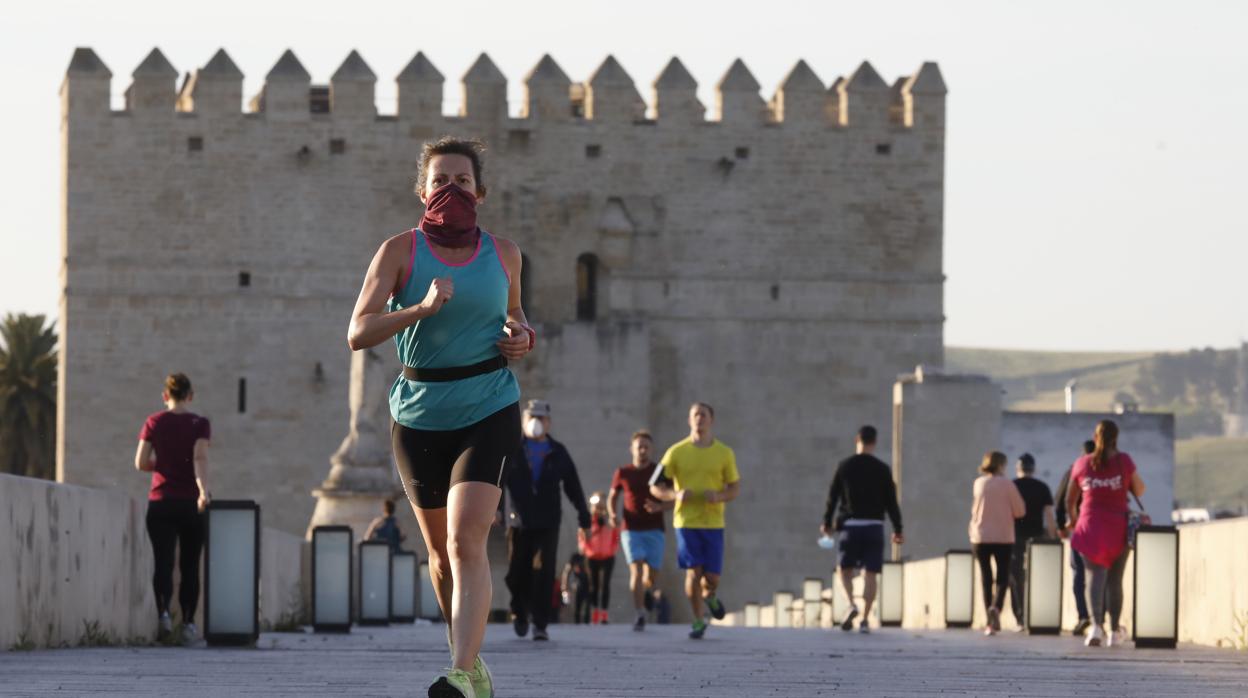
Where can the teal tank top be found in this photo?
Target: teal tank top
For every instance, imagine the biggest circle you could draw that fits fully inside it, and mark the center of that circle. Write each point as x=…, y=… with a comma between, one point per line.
x=462, y=333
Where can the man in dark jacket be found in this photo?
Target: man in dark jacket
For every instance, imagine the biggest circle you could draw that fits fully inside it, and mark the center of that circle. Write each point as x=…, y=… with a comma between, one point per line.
x=1066, y=521
x=863, y=487
x=532, y=481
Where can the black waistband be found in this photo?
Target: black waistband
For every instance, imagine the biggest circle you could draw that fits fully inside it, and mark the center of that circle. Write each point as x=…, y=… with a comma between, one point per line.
x=454, y=373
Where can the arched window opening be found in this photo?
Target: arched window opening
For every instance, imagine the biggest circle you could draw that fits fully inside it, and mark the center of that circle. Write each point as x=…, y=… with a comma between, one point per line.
x=586, y=287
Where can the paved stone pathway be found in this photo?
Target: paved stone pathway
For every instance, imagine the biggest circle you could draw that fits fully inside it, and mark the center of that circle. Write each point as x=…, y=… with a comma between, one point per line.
x=614, y=661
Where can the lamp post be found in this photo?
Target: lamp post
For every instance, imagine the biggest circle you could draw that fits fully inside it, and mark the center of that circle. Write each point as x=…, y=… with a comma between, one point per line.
x=374, y=582
x=403, y=587
x=1044, y=587
x=812, y=597
x=783, y=601
x=232, y=573
x=1156, y=622
x=331, y=579
x=892, y=596
x=959, y=589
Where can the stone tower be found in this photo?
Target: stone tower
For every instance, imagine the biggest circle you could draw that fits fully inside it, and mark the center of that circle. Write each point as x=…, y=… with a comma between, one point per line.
x=781, y=261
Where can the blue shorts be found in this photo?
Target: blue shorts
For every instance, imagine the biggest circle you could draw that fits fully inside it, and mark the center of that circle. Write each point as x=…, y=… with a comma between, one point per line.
x=862, y=547
x=643, y=546
x=700, y=547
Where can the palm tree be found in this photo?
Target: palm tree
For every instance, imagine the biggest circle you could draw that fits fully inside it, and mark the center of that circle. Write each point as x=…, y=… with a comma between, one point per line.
x=28, y=396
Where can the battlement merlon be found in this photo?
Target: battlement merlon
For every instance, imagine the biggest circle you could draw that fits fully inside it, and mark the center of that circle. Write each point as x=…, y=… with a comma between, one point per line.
x=864, y=100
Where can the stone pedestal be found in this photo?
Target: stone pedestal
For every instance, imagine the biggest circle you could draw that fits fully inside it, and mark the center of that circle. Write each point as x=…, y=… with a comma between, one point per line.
x=361, y=475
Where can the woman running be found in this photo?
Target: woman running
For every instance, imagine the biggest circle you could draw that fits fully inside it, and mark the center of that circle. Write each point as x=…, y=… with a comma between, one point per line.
x=1099, y=483
x=449, y=295
x=996, y=503
x=599, y=547
x=173, y=447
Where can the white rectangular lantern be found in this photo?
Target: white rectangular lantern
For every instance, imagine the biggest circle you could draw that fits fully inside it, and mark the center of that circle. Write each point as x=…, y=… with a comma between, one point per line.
x=751, y=615
x=403, y=587
x=1044, y=587
x=783, y=601
x=374, y=582
x=232, y=573
x=959, y=588
x=429, y=609
x=812, y=597
x=891, y=594
x=331, y=579
x=1156, y=587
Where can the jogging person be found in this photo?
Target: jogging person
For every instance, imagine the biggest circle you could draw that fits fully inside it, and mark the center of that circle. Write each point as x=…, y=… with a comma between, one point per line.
x=864, y=490
x=995, y=505
x=173, y=447
x=532, y=481
x=703, y=476
x=643, y=522
x=449, y=295
x=1099, y=484
x=1065, y=519
x=599, y=546
x=1037, y=522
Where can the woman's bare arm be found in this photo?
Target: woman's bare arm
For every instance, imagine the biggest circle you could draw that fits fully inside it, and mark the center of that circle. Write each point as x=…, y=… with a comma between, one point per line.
x=370, y=323
x=143, y=457
x=515, y=345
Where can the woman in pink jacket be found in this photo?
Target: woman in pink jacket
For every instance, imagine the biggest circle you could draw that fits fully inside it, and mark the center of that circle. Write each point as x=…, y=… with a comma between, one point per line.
x=996, y=504
x=599, y=549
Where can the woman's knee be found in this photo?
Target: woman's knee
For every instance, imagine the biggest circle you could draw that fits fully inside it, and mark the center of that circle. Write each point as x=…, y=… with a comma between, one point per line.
x=466, y=544
x=439, y=562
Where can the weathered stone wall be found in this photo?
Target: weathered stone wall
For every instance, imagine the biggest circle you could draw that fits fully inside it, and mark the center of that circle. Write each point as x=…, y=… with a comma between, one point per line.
x=782, y=262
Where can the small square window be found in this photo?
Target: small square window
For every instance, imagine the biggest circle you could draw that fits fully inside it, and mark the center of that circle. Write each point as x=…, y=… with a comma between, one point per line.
x=244, y=278
x=337, y=146
x=743, y=153
x=195, y=144
x=775, y=292
x=593, y=151
x=518, y=141
x=883, y=148
x=242, y=395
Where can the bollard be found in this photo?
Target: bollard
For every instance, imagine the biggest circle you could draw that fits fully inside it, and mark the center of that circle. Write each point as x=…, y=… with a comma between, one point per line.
x=1044, y=587
x=429, y=609
x=892, y=594
x=959, y=589
x=232, y=573
x=331, y=579
x=751, y=615
x=1156, y=604
x=783, y=601
x=403, y=587
x=812, y=598
x=374, y=582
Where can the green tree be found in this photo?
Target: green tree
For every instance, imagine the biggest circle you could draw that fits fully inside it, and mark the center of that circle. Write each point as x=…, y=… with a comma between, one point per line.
x=28, y=396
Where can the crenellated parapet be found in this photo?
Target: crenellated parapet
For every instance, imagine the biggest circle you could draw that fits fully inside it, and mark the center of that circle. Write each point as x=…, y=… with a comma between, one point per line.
x=610, y=95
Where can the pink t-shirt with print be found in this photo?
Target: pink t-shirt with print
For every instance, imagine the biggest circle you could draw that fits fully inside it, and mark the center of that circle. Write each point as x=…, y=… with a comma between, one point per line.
x=1101, y=532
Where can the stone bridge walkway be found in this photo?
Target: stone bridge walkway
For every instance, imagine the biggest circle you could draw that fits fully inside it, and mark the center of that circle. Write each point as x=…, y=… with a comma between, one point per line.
x=614, y=661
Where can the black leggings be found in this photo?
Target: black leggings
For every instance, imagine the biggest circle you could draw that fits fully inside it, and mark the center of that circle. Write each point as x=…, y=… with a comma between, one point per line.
x=994, y=591
x=431, y=462
x=600, y=582
x=173, y=524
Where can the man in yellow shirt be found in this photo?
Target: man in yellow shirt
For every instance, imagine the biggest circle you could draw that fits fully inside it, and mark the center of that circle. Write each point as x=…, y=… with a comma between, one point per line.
x=703, y=475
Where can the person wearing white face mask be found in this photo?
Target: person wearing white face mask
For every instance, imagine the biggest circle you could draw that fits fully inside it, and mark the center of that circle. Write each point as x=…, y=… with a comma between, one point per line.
x=532, y=482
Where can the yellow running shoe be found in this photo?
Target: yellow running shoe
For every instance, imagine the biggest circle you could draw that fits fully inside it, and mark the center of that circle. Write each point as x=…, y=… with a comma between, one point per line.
x=482, y=680
x=456, y=684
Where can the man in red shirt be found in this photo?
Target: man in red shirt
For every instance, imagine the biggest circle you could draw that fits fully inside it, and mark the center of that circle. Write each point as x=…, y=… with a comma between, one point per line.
x=643, y=522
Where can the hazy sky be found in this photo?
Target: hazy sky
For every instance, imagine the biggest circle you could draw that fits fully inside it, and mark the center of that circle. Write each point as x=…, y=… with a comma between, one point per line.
x=1097, y=162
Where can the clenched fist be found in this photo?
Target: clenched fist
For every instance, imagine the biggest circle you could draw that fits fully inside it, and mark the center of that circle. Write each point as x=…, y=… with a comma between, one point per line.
x=440, y=291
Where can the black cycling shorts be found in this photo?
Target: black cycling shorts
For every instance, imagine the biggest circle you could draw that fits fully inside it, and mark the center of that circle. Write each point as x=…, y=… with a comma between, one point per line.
x=431, y=462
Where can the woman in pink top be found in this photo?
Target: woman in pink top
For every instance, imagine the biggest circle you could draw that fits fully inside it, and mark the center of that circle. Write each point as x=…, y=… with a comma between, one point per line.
x=599, y=550
x=1099, y=483
x=996, y=504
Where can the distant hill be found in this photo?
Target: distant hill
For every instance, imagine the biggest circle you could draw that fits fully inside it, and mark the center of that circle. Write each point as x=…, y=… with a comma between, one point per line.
x=1036, y=380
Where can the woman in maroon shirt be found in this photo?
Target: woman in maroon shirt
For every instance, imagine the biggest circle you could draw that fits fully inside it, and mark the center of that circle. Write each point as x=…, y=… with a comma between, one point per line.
x=173, y=447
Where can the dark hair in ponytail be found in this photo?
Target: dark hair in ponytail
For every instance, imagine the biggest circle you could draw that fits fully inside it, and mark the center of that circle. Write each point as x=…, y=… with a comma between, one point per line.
x=178, y=386
x=1106, y=438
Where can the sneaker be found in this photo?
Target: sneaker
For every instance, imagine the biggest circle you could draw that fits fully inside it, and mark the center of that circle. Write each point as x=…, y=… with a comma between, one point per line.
x=482, y=679
x=189, y=634
x=1116, y=638
x=520, y=624
x=166, y=626
x=456, y=684
x=699, y=629
x=1095, y=637
x=848, y=623
x=715, y=606
x=640, y=624
x=1081, y=627
x=540, y=635
x=864, y=628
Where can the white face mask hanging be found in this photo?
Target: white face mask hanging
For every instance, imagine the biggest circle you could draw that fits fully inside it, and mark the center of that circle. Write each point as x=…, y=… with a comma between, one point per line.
x=533, y=428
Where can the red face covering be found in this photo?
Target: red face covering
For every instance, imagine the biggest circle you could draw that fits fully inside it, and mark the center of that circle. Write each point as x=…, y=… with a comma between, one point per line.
x=450, y=218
